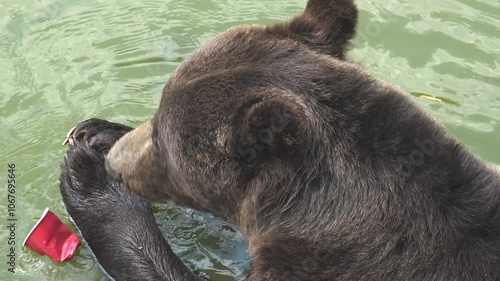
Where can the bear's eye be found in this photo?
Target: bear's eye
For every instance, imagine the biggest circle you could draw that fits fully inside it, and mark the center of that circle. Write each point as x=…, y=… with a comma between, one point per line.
x=156, y=142
x=154, y=137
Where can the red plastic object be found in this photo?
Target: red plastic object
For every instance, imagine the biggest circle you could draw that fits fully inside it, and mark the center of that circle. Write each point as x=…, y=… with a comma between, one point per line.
x=52, y=238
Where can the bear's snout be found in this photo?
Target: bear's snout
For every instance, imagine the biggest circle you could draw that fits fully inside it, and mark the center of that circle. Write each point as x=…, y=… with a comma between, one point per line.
x=131, y=160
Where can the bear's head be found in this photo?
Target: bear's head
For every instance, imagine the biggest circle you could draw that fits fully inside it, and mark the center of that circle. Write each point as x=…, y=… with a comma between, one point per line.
x=263, y=117
x=240, y=108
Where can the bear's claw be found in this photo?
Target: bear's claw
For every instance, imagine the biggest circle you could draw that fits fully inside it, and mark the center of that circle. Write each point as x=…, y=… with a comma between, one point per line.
x=69, y=136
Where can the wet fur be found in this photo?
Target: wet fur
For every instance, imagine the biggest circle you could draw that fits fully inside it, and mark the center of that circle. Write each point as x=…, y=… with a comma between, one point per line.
x=117, y=224
x=330, y=173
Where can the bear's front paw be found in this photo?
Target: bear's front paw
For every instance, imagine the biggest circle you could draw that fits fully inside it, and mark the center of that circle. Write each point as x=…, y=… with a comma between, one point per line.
x=84, y=181
x=97, y=133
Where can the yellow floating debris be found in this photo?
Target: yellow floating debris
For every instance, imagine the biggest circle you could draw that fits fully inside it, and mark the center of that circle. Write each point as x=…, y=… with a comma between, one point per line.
x=431, y=98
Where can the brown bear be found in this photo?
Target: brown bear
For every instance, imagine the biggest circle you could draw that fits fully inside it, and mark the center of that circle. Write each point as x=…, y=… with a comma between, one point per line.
x=329, y=173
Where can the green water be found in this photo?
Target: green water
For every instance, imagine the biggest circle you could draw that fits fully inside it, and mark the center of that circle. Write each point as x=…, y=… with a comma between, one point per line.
x=63, y=61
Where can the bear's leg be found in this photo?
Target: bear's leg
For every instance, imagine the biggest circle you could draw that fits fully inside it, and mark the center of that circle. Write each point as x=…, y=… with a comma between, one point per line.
x=117, y=224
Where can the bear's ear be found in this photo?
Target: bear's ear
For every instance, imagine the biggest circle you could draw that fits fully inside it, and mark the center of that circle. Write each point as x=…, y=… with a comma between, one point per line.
x=327, y=25
x=271, y=128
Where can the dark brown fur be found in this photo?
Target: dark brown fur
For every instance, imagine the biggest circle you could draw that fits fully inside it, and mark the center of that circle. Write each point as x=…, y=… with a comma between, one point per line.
x=330, y=173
